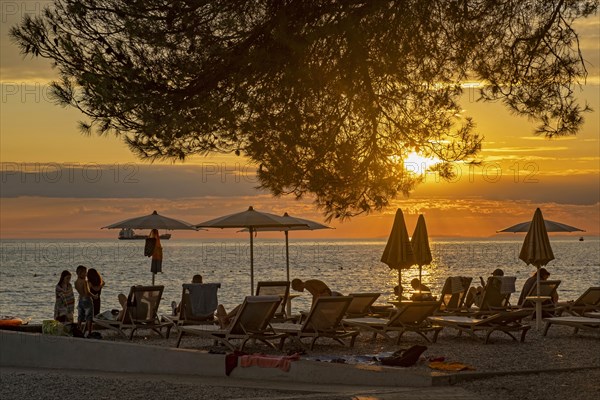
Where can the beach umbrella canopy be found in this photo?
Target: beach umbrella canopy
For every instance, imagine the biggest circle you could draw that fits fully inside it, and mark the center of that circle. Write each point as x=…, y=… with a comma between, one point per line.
x=308, y=225
x=550, y=226
x=251, y=220
x=420, y=244
x=152, y=221
x=398, y=253
x=536, y=250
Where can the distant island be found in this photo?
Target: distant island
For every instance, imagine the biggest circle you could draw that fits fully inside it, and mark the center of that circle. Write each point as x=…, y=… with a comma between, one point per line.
x=129, y=234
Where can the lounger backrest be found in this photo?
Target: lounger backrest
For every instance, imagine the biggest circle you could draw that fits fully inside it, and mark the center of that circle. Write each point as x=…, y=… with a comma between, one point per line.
x=275, y=288
x=199, y=301
x=547, y=288
x=254, y=314
x=493, y=295
x=454, y=292
x=142, y=304
x=591, y=297
x=361, y=303
x=327, y=312
x=413, y=314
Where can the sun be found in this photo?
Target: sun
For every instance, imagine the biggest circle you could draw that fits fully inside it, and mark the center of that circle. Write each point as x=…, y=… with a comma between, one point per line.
x=416, y=161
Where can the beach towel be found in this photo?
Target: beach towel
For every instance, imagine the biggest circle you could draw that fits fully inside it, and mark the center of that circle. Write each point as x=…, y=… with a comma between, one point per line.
x=450, y=366
x=264, y=361
x=203, y=297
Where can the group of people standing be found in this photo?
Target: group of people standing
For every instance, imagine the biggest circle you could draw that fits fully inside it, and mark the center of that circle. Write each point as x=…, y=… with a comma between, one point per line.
x=89, y=286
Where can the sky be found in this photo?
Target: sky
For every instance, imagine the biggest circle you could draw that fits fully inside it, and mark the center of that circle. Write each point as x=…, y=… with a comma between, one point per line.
x=58, y=183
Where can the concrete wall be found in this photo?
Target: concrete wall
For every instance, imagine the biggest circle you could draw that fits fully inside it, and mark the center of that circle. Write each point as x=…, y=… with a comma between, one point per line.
x=18, y=349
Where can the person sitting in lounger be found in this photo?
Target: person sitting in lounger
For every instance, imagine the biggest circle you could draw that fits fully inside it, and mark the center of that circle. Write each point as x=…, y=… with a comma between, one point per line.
x=475, y=294
x=530, y=283
x=423, y=293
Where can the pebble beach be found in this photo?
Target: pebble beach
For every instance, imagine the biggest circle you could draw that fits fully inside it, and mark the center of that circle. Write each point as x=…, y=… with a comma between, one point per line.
x=559, y=366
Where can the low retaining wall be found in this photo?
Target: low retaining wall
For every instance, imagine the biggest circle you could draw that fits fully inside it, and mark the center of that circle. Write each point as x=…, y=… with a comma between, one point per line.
x=18, y=349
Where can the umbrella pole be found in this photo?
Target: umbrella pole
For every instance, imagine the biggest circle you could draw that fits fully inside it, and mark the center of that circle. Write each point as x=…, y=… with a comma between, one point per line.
x=420, y=274
x=399, y=278
x=287, y=257
x=288, y=306
x=251, y=230
x=153, y=275
x=538, y=303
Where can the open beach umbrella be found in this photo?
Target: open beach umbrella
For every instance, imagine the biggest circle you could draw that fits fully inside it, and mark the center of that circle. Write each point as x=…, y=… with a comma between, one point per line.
x=551, y=226
x=308, y=225
x=152, y=221
x=420, y=245
x=251, y=220
x=398, y=253
x=536, y=250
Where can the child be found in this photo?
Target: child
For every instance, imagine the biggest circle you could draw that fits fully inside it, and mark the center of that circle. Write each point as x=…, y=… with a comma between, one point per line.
x=65, y=301
x=85, y=307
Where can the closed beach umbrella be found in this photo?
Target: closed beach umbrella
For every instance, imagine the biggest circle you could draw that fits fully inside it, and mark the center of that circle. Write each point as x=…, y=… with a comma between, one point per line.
x=251, y=220
x=398, y=253
x=420, y=245
x=308, y=225
x=152, y=221
x=536, y=250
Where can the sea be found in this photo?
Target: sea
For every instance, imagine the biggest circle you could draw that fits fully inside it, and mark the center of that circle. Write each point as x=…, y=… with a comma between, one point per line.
x=30, y=269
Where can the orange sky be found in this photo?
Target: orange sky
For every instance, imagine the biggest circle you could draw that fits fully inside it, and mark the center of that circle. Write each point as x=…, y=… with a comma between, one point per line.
x=57, y=183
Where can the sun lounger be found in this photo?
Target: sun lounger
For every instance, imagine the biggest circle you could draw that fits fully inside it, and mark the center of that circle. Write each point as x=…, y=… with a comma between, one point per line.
x=140, y=312
x=198, y=304
x=251, y=322
x=410, y=317
x=588, y=302
x=503, y=321
x=454, y=292
x=496, y=294
x=276, y=288
x=586, y=323
x=323, y=320
x=547, y=289
x=361, y=303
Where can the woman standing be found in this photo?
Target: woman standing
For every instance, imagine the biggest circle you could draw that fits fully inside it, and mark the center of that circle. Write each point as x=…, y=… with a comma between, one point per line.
x=96, y=284
x=157, y=254
x=64, y=307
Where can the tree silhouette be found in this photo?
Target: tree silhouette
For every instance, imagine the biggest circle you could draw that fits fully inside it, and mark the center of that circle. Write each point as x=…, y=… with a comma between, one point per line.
x=326, y=97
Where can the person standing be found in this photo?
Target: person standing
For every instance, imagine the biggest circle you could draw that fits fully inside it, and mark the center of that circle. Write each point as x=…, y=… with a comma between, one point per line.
x=157, y=254
x=85, y=307
x=64, y=307
x=96, y=284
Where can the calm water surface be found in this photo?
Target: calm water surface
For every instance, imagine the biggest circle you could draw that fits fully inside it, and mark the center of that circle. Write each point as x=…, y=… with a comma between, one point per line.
x=30, y=269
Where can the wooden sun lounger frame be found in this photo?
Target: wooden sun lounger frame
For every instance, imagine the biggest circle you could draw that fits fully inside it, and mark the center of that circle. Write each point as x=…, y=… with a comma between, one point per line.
x=401, y=321
x=132, y=321
x=503, y=321
x=452, y=302
x=334, y=329
x=182, y=318
x=576, y=322
x=279, y=288
x=361, y=304
x=245, y=326
x=583, y=305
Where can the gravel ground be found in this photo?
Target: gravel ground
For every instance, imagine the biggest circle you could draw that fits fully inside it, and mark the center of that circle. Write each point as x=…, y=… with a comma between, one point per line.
x=559, y=350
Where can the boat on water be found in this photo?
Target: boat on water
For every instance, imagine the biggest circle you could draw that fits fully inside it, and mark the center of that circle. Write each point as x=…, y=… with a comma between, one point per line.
x=581, y=239
x=129, y=234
